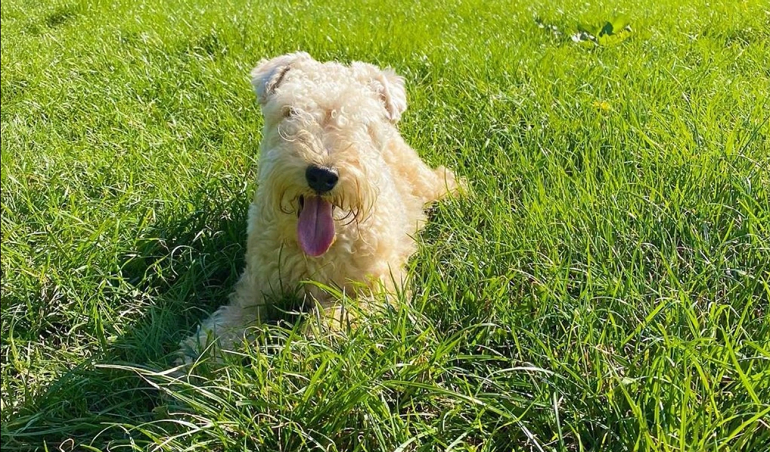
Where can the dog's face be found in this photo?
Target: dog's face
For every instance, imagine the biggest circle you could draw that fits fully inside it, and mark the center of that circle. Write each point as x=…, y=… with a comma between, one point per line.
x=322, y=146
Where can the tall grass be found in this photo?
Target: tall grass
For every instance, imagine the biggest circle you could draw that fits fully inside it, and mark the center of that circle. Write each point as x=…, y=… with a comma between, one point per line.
x=605, y=288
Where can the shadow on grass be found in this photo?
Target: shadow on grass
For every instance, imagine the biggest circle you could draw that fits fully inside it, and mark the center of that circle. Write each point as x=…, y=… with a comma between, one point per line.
x=188, y=265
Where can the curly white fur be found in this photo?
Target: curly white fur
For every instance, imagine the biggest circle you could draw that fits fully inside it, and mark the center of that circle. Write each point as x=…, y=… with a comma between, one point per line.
x=333, y=116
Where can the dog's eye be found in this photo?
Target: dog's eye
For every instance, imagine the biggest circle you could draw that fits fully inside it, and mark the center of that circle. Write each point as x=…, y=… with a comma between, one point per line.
x=289, y=112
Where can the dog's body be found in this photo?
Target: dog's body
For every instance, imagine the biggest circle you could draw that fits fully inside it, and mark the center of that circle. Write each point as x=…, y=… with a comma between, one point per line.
x=340, y=195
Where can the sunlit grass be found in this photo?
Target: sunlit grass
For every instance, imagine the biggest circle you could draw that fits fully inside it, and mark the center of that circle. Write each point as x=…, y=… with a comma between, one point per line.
x=605, y=288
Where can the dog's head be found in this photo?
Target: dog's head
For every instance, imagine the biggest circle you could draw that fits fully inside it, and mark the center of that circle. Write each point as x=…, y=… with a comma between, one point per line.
x=323, y=140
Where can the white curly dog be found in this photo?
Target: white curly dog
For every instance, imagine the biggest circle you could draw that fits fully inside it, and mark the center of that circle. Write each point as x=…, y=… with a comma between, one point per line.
x=340, y=195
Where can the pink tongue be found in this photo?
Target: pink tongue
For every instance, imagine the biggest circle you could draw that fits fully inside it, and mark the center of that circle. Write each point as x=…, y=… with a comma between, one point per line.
x=315, y=229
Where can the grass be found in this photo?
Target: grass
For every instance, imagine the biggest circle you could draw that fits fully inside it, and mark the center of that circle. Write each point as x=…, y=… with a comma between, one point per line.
x=605, y=288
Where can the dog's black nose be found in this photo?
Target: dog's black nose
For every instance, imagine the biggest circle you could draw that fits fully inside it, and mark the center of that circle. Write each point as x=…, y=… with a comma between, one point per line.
x=321, y=179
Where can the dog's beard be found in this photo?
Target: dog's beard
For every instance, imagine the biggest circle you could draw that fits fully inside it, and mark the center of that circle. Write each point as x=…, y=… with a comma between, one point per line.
x=320, y=217
x=345, y=209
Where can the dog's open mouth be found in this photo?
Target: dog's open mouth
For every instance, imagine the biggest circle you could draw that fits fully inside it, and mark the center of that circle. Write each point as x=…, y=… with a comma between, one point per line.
x=315, y=228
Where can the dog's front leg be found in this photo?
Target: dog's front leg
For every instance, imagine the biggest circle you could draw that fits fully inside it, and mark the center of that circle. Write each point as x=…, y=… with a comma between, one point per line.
x=227, y=326
x=223, y=330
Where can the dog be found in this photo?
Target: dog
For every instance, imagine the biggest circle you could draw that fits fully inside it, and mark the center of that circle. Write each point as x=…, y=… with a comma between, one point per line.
x=340, y=194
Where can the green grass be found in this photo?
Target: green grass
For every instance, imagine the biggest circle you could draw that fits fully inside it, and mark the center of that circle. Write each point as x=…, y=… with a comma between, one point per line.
x=605, y=288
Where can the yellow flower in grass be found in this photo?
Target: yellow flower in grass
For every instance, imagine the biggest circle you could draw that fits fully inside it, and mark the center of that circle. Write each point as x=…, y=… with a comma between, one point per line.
x=602, y=106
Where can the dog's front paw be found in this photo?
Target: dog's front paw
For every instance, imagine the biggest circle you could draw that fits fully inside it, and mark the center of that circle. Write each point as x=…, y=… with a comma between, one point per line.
x=191, y=349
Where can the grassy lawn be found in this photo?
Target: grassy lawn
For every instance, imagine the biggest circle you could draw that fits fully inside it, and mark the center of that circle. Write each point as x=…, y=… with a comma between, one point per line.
x=605, y=288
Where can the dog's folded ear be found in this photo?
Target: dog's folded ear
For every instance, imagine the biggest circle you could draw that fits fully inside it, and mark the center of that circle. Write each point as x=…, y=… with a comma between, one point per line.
x=268, y=74
x=386, y=83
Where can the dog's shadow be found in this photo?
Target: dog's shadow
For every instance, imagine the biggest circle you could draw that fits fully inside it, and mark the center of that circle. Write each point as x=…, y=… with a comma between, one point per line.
x=188, y=265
